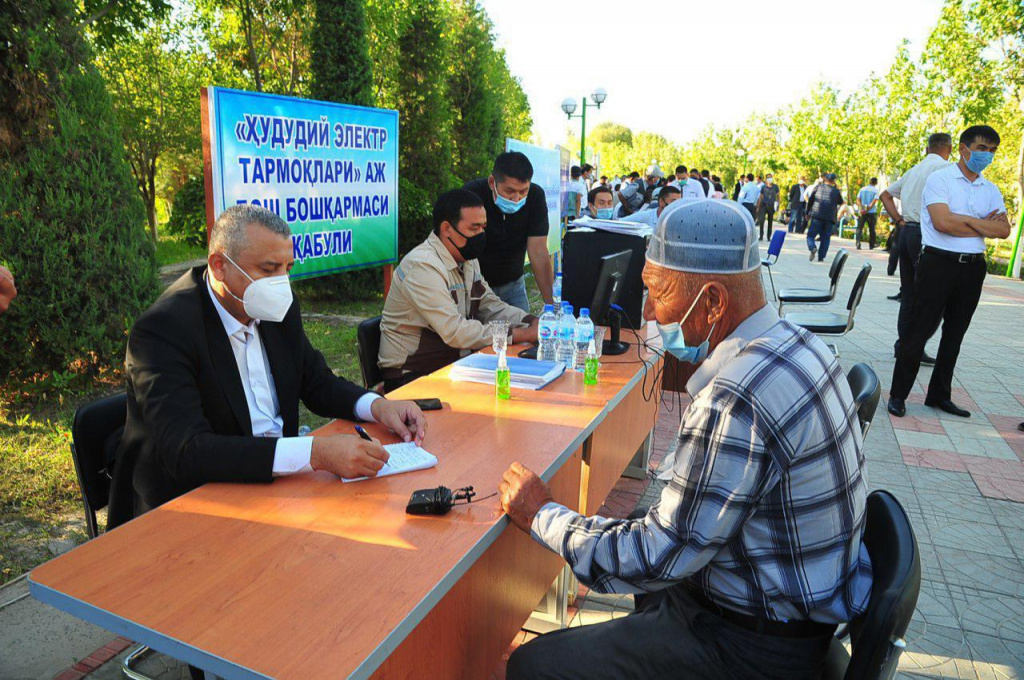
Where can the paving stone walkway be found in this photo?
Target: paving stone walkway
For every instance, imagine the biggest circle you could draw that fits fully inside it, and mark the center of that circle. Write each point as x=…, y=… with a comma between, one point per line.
x=960, y=480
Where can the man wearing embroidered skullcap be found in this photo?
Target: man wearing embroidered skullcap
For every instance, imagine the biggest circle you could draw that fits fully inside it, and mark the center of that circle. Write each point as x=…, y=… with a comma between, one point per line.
x=753, y=554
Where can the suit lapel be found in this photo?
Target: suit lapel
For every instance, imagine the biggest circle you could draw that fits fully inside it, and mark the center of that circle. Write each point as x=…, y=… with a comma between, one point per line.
x=282, y=367
x=223, y=358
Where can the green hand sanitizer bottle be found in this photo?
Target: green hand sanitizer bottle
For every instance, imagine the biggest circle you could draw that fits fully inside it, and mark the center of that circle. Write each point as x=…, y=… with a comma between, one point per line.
x=503, y=378
x=590, y=366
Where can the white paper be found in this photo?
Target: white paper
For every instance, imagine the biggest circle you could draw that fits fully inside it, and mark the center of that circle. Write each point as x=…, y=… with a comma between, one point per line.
x=404, y=457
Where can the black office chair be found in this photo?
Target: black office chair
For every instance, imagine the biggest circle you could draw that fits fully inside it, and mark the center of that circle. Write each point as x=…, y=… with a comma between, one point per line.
x=95, y=435
x=368, y=348
x=817, y=296
x=830, y=323
x=866, y=392
x=876, y=636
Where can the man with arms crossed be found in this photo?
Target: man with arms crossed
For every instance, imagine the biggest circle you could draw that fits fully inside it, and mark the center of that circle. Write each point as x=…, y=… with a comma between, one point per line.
x=962, y=209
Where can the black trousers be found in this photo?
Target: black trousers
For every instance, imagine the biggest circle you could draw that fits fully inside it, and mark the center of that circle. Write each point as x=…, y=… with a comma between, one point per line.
x=892, y=244
x=763, y=212
x=946, y=291
x=870, y=219
x=671, y=637
x=909, y=256
x=750, y=207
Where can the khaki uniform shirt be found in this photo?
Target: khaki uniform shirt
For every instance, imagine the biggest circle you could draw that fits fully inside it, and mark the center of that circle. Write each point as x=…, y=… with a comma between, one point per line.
x=437, y=312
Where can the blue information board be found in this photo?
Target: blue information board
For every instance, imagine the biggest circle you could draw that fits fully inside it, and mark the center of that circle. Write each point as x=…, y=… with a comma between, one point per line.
x=329, y=170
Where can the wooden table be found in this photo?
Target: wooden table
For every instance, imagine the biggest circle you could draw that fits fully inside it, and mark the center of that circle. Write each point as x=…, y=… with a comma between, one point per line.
x=312, y=578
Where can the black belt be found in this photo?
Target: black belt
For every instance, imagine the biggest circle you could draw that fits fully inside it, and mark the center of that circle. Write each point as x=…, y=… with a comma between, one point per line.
x=961, y=258
x=911, y=224
x=762, y=626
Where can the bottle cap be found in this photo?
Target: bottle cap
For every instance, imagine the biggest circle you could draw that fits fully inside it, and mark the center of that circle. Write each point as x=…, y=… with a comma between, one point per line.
x=584, y=311
x=566, y=308
x=549, y=308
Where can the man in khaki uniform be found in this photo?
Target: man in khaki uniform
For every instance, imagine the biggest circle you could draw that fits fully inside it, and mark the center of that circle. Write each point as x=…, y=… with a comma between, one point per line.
x=439, y=303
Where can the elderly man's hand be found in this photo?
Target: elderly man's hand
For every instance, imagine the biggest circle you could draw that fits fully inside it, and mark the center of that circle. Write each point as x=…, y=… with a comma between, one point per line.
x=404, y=418
x=522, y=495
x=7, y=289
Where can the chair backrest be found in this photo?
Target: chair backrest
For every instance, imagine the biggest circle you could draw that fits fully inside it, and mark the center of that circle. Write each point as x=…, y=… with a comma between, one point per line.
x=836, y=269
x=775, y=245
x=368, y=348
x=94, y=424
x=867, y=390
x=896, y=581
x=858, y=288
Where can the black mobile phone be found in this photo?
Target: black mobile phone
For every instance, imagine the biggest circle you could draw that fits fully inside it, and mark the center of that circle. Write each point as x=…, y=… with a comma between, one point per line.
x=428, y=404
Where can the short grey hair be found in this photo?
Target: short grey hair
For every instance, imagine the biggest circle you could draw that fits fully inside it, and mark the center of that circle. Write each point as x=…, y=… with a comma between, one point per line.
x=229, y=235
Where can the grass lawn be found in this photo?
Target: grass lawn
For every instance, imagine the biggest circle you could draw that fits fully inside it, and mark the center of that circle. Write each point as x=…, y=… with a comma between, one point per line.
x=171, y=250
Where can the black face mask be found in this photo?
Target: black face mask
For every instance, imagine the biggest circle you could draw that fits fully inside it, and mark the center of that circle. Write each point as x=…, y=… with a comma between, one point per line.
x=474, y=247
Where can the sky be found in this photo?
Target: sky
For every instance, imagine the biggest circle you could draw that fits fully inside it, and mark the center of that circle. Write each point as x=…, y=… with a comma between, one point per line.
x=729, y=60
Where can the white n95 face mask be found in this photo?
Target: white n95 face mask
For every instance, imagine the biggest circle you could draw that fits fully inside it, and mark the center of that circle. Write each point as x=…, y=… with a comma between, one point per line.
x=266, y=299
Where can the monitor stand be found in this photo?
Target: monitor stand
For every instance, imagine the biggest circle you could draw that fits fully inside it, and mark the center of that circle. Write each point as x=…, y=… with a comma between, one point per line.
x=614, y=346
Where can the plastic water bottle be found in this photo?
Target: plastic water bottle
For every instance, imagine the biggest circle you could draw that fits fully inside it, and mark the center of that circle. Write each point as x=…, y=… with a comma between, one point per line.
x=565, y=350
x=590, y=372
x=547, y=334
x=556, y=291
x=584, y=333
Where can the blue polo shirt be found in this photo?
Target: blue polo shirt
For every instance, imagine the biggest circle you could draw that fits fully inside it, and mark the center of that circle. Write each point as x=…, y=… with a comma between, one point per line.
x=866, y=195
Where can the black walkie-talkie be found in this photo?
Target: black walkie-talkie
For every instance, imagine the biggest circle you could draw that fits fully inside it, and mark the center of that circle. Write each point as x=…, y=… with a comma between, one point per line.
x=437, y=501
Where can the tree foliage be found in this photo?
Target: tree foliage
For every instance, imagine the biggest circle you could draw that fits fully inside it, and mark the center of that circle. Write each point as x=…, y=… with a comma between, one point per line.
x=71, y=229
x=341, y=68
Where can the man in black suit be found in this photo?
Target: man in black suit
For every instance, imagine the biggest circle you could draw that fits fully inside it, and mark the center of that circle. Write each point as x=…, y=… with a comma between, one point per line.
x=216, y=368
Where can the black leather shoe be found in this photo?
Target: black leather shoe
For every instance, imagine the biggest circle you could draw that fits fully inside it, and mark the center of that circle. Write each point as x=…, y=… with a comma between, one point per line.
x=927, y=359
x=897, y=297
x=1021, y=427
x=949, y=407
x=897, y=407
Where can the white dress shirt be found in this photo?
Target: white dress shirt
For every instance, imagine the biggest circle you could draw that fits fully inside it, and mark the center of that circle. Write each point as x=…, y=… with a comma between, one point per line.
x=292, y=454
x=964, y=197
x=908, y=188
x=646, y=216
x=691, y=189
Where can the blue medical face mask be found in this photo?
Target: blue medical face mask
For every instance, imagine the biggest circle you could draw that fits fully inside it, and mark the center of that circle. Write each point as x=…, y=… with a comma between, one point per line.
x=979, y=160
x=508, y=206
x=675, y=344
x=605, y=213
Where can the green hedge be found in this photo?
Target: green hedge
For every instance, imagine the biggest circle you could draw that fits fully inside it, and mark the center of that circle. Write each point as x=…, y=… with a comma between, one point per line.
x=74, y=228
x=188, y=216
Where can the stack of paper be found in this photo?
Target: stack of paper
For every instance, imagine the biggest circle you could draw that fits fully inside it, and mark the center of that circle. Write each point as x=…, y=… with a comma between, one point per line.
x=616, y=226
x=404, y=457
x=527, y=374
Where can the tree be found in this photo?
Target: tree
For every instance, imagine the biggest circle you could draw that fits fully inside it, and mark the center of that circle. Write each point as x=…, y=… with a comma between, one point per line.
x=475, y=91
x=608, y=132
x=341, y=68
x=71, y=216
x=266, y=41
x=154, y=79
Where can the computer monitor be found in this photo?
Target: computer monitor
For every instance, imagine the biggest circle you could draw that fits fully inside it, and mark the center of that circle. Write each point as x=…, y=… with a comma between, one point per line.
x=604, y=306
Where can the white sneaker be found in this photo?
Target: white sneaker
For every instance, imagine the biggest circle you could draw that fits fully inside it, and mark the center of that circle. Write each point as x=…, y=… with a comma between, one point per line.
x=811, y=254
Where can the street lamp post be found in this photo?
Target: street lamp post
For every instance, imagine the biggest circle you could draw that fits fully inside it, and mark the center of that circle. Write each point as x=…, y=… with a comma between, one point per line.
x=569, y=107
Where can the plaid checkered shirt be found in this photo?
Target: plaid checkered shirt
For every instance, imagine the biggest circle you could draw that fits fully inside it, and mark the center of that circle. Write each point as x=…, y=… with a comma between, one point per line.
x=764, y=510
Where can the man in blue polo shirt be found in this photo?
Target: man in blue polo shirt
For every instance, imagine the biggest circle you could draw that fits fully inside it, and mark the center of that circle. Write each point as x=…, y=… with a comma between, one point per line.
x=867, y=211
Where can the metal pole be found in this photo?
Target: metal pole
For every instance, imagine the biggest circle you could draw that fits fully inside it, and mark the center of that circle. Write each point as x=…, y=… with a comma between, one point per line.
x=583, y=134
x=1013, y=266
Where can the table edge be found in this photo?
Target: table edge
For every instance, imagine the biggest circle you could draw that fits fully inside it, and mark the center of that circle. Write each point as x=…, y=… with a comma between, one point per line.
x=136, y=632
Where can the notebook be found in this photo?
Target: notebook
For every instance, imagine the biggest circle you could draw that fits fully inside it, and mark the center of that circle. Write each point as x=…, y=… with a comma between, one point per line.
x=404, y=457
x=525, y=373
